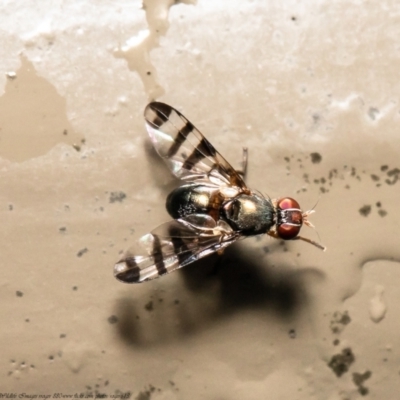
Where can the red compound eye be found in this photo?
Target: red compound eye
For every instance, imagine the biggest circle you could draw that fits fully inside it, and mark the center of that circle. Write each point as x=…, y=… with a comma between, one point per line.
x=290, y=218
x=287, y=232
x=288, y=202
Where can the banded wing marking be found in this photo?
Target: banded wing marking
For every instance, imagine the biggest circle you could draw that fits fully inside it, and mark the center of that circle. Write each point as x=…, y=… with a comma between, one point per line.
x=169, y=247
x=189, y=155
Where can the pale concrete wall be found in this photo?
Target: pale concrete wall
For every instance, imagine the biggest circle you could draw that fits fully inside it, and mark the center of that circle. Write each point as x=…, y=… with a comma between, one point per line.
x=263, y=321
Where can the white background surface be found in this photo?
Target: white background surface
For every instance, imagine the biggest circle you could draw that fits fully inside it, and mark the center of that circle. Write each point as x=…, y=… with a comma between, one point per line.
x=263, y=320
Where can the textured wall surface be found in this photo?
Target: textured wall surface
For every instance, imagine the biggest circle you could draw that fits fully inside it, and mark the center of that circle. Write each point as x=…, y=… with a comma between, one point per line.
x=311, y=88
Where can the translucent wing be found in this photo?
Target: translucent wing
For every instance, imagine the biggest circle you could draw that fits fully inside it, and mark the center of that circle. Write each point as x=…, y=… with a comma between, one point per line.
x=189, y=155
x=172, y=246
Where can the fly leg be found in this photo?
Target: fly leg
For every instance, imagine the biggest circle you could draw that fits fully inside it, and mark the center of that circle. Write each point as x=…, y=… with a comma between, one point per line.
x=276, y=236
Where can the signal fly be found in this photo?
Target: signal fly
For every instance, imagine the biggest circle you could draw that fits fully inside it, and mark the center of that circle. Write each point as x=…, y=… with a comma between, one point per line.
x=212, y=209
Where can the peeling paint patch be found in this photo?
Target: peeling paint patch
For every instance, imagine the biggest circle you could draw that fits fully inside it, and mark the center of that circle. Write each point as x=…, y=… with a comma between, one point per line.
x=136, y=50
x=38, y=125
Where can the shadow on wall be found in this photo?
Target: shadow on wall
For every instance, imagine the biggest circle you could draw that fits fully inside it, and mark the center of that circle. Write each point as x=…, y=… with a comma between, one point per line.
x=211, y=289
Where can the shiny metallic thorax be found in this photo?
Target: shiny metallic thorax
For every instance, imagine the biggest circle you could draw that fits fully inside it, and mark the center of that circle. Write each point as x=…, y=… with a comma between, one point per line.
x=248, y=214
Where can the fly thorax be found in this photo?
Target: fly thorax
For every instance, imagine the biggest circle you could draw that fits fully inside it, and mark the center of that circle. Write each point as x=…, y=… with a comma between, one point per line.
x=249, y=214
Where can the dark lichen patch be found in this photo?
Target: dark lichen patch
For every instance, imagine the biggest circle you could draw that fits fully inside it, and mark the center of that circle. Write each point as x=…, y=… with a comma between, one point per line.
x=75, y=288
x=365, y=210
x=287, y=159
x=117, y=196
x=384, y=168
x=63, y=336
x=82, y=252
x=19, y=294
x=375, y=178
x=359, y=380
x=63, y=229
x=339, y=321
x=336, y=342
x=316, y=158
x=149, y=306
x=112, y=319
x=10, y=207
x=341, y=362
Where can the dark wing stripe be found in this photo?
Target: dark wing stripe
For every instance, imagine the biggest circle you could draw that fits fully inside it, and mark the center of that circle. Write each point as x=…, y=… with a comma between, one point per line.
x=180, y=139
x=161, y=115
x=180, y=248
x=132, y=272
x=158, y=256
x=195, y=157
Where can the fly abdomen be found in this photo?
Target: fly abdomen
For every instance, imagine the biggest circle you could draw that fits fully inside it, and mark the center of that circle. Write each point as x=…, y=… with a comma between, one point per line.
x=194, y=199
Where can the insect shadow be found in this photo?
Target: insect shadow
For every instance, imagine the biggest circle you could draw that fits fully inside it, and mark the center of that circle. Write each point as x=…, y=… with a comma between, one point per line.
x=211, y=290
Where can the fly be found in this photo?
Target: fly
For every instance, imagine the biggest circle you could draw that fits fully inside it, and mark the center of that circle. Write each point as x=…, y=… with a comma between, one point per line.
x=211, y=210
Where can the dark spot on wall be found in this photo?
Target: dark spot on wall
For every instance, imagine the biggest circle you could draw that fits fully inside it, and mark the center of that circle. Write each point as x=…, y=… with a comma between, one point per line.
x=117, y=196
x=316, y=158
x=375, y=178
x=341, y=362
x=365, y=210
x=113, y=319
x=382, y=213
x=359, y=380
x=82, y=252
x=149, y=306
x=339, y=321
x=373, y=113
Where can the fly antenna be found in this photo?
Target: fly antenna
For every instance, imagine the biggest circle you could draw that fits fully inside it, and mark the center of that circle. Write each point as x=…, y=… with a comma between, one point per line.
x=306, y=221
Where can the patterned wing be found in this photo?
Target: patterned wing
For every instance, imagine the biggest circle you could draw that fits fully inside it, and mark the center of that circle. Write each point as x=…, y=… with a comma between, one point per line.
x=189, y=155
x=172, y=246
